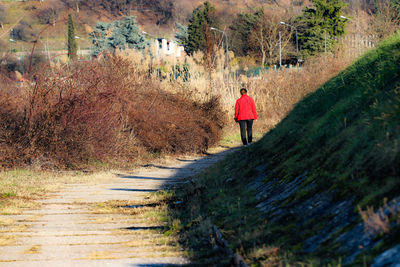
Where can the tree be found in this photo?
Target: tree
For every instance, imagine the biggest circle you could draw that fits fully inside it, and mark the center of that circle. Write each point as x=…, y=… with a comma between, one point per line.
x=77, y=5
x=319, y=26
x=23, y=32
x=264, y=37
x=199, y=32
x=72, y=47
x=118, y=34
x=386, y=18
x=165, y=10
x=181, y=35
x=240, y=31
x=50, y=14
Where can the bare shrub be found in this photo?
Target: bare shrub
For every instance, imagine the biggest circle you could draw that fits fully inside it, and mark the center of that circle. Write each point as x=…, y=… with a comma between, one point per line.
x=10, y=63
x=173, y=124
x=100, y=110
x=24, y=32
x=11, y=122
x=49, y=15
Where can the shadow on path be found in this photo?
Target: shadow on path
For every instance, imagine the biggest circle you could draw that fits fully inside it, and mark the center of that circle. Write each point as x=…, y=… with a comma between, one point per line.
x=160, y=167
x=166, y=176
x=142, y=177
x=134, y=189
x=179, y=171
x=145, y=228
x=156, y=265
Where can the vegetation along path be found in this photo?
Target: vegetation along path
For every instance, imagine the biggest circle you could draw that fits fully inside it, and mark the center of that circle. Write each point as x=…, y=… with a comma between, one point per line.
x=119, y=222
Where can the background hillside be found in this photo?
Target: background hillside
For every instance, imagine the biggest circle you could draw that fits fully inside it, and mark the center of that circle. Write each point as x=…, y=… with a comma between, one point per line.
x=156, y=17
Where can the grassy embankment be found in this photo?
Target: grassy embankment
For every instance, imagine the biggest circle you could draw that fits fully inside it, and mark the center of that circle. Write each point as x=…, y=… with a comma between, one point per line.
x=341, y=142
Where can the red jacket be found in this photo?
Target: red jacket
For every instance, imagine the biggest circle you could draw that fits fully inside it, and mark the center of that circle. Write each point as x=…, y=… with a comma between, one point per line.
x=245, y=109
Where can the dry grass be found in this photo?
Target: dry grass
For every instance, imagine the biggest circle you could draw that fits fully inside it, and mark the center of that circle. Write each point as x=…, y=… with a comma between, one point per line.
x=100, y=255
x=7, y=240
x=6, y=221
x=269, y=256
x=20, y=188
x=153, y=212
x=33, y=250
x=146, y=241
x=15, y=229
x=380, y=221
x=277, y=92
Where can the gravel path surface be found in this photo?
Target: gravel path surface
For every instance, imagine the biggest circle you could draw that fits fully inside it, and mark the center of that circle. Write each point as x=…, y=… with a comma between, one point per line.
x=66, y=232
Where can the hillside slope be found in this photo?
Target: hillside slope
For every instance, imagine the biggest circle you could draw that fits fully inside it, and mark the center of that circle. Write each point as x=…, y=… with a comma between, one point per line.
x=157, y=17
x=309, y=191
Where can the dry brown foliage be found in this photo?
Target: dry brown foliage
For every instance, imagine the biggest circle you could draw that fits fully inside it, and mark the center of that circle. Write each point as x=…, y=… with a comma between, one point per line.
x=102, y=110
x=376, y=222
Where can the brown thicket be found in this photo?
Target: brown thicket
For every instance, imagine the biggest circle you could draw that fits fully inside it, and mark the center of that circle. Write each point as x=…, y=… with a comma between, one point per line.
x=103, y=110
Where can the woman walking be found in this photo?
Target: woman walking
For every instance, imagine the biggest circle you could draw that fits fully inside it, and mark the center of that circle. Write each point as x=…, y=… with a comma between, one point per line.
x=245, y=114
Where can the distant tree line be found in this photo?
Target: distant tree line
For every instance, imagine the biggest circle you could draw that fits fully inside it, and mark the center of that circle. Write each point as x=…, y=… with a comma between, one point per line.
x=255, y=33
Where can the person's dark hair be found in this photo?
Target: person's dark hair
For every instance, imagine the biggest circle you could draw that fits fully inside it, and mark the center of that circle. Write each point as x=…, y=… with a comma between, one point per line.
x=243, y=91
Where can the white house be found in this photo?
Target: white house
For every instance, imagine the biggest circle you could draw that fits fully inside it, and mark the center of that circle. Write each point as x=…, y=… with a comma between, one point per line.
x=166, y=48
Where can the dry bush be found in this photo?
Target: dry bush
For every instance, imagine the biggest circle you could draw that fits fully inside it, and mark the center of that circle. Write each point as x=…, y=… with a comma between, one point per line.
x=100, y=110
x=11, y=121
x=172, y=124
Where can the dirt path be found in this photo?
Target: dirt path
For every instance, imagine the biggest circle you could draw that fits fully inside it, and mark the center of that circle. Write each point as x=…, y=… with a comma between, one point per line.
x=69, y=230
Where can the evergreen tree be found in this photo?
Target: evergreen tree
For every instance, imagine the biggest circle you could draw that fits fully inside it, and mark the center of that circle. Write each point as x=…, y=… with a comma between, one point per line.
x=118, y=34
x=203, y=18
x=72, y=47
x=319, y=27
x=181, y=35
x=241, y=28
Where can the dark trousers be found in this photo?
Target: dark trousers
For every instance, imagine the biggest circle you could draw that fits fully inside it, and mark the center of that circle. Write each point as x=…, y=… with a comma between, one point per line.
x=246, y=125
